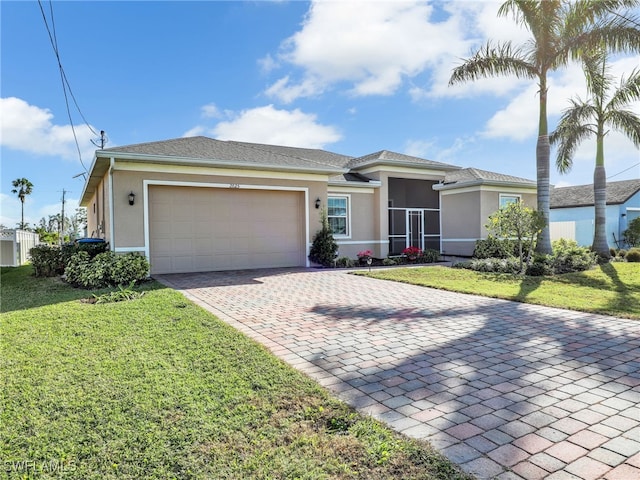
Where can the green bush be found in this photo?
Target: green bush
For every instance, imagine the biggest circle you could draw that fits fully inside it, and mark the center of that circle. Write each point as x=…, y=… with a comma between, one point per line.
x=324, y=248
x=128, y=268
x=569, y=257
x=429, y=256
x=345, y=262
x=632, y=234
x=46, y=260
x=93, y=249
x=105, y=269
x=493, y=265
x=633, y=255
x=388, y=262
x=542, y=265
x=493, y=247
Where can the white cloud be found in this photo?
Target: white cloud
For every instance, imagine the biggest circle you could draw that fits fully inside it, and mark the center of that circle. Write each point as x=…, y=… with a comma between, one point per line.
x=211, y=111
x=29, y=128
x=372, y=45
x=430, y=149
x=274, y=126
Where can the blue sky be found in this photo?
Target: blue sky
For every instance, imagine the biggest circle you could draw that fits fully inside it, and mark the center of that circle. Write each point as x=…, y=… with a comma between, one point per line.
x=352, y=77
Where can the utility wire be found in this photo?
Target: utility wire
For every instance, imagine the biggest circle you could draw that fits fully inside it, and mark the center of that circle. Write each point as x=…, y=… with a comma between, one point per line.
x=63, y=78
x=625, y=170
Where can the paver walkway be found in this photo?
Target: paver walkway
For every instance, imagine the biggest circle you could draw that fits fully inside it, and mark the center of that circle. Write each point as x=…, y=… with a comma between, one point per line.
x=503, y=389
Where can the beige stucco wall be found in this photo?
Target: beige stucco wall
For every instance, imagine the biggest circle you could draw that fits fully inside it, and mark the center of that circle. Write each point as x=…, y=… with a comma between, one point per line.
x=362, y=220
x=129, y=228
x=465, y=213
x=98, y=222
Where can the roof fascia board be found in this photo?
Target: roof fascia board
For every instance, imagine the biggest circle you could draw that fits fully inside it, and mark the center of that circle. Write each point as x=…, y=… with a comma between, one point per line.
x=483, y=183
x=347, y=183
x=484, y=187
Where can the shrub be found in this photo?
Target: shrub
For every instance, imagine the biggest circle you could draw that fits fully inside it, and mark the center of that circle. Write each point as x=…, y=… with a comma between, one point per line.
x=344, y=262
x=429, y=256
x=633, y=255
x=568, y=257
x=493, y=247
x=632, y=234
x=388, y=262
x=105, y=269
x=129, y=268
x=493, y=265
x=46, y=260
x=93, y=249
x=542, y=265
x=324, y=248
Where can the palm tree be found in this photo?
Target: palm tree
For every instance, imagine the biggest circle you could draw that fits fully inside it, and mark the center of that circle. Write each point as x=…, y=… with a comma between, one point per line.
x=560, y=31
x=586, y=118
x=22, y=188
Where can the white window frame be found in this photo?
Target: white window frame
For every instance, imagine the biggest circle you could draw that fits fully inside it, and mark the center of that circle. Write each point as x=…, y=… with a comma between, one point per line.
x=509, y=195
x=347, y=197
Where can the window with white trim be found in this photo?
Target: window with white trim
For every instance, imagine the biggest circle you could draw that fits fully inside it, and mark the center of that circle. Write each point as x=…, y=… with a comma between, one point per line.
x=506, y=199
x=338, y=215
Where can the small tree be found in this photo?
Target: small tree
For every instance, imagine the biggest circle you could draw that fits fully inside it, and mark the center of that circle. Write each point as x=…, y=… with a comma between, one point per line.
x=324, y=248
x=520, y=223
x=631, y=235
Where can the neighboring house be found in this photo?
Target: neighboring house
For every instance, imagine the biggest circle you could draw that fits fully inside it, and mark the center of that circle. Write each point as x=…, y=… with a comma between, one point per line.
x=15, y=245
x=572, y=213
x=198, y=204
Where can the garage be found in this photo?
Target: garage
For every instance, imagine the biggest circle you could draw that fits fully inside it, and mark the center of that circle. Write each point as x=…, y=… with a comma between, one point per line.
x=197, y=229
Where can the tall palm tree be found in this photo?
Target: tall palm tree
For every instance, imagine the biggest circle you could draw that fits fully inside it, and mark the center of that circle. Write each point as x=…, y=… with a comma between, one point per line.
x=603, y=109
x=22, y=187
x=560, y=31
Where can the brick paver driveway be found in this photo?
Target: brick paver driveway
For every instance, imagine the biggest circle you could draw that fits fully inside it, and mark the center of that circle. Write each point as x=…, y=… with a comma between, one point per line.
x=503, y=389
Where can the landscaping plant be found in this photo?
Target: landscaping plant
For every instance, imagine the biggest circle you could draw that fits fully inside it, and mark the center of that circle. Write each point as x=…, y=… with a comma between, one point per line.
x=324, y=248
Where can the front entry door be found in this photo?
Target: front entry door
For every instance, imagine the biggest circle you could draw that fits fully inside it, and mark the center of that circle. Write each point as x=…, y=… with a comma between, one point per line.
x=415, y=228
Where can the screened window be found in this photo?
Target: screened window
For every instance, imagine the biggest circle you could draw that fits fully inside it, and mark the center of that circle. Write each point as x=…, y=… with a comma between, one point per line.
x=338, y=215
x=508, y=199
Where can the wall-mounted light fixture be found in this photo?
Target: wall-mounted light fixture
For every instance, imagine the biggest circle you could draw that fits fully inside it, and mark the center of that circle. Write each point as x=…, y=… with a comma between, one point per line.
x=132, y=198
x=318, y=202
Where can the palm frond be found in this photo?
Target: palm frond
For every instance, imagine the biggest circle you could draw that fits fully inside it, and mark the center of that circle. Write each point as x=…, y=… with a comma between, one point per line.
x=568, y=137
x=627, y=123
x=493, y=61
x=627, y=92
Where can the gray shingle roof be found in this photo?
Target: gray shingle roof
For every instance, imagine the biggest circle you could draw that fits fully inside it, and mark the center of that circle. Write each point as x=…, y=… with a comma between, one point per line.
x=474, y=176
x=387, y=157
x=582, y=195
x=236, y=153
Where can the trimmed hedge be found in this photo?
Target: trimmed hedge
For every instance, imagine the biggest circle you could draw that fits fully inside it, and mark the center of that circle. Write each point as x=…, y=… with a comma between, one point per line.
x=106, y=269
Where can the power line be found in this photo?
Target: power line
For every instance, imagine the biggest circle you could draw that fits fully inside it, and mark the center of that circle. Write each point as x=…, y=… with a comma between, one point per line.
x=66, y=87
x=625, y=170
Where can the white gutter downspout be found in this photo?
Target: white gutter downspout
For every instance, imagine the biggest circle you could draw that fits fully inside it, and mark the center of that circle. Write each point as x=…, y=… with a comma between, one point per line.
x=111, y=224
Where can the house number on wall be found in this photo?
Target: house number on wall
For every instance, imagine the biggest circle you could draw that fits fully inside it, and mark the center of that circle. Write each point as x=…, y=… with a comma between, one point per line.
x=234, y=185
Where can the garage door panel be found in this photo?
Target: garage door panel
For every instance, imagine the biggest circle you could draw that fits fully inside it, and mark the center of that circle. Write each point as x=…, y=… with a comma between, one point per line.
x=200, y=229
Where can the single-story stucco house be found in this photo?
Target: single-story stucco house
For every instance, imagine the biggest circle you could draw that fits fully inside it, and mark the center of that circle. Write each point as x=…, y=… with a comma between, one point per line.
x=572, y=214
x=199, y=204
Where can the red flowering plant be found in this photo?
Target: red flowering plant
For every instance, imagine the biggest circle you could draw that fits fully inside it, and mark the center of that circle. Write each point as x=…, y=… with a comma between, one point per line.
x=365, y=254
x=412, y=252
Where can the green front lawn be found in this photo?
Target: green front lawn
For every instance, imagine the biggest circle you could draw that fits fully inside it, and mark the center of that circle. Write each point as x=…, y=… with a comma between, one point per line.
x=611, y=289
x=159, y=388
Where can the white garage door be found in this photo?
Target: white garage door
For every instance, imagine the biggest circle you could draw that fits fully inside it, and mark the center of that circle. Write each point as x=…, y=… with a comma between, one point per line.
x=197, y=229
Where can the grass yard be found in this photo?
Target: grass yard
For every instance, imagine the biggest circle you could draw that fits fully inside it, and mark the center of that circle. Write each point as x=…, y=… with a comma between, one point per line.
x=611, y=289
x=159, y=388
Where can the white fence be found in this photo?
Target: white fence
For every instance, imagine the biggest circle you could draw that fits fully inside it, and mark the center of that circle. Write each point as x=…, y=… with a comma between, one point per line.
x=15, y=246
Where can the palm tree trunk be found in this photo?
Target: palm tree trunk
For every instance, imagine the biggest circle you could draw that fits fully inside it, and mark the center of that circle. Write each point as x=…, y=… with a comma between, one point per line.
x=600, y=244
x=22, y=213
x=543, y=153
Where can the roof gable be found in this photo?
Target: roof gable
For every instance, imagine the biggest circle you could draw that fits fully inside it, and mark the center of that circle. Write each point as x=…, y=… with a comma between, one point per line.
x=582, y=195
x=385, y=157
x=467, y=177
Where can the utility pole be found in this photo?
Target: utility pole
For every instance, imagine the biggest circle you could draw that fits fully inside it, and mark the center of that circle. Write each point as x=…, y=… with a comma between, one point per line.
x=62, y=219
